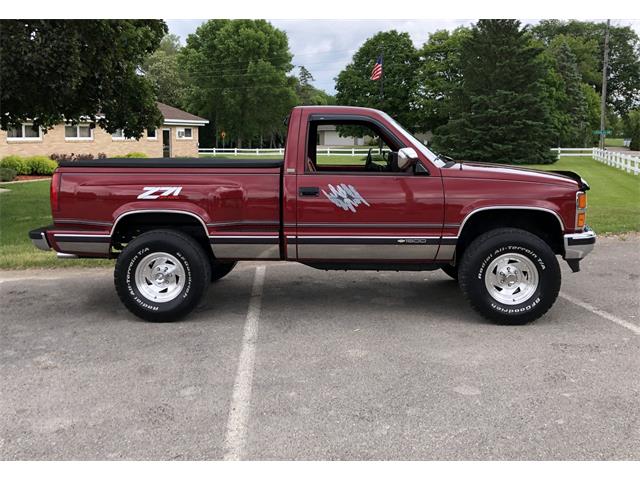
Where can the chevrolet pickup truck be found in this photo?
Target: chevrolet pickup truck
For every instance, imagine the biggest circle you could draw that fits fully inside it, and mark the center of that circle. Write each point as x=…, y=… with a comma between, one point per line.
x=175, y=225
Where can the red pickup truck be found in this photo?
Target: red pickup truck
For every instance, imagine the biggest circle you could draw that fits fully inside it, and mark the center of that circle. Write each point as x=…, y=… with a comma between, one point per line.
x=175, y=225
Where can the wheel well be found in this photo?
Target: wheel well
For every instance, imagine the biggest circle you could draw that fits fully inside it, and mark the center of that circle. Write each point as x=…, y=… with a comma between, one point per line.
x=136, y=224
x=543, y=224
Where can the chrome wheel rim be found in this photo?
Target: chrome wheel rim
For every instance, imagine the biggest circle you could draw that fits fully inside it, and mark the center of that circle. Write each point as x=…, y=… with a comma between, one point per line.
x=160, y=277
x=511, y=279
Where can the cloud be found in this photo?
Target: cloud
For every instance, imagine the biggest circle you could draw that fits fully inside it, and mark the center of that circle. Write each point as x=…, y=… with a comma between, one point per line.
x=325, y=47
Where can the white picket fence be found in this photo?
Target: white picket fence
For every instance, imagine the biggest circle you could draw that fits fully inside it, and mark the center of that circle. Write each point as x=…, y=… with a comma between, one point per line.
x=345, y=152
x=573, y=152
x=616, y=159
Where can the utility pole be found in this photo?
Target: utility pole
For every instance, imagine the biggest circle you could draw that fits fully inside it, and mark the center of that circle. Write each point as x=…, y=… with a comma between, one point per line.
x=603, y=100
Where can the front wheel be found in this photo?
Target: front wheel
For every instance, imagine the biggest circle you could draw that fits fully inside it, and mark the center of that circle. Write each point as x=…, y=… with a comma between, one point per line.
x=161, y=275
x=509, y=276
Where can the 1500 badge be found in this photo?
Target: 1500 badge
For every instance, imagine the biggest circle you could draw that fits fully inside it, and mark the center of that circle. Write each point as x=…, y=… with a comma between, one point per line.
x=345, y=196
x=152, y=193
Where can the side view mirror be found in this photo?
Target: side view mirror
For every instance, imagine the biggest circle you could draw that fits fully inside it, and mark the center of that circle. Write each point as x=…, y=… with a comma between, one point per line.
x=406, y=157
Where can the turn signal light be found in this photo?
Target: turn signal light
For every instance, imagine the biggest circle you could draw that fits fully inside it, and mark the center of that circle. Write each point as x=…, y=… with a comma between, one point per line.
x=582, y=200
x=581, y=219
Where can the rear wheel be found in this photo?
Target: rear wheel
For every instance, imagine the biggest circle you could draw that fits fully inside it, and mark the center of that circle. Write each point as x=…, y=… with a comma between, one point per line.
x=161, y=275
x=510, y=276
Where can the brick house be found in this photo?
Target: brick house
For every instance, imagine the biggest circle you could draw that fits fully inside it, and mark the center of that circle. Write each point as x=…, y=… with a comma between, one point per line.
x=177, y=137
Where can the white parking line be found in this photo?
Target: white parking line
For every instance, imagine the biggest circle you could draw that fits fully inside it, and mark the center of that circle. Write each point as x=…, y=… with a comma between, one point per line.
x=236, y=436
x=623, y=323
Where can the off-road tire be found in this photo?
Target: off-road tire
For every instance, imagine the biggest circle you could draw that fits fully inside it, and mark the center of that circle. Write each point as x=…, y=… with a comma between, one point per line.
x=194, y=263
x=476, y=261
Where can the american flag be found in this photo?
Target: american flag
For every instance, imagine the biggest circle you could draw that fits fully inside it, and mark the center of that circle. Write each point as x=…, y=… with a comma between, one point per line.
x=376, y=73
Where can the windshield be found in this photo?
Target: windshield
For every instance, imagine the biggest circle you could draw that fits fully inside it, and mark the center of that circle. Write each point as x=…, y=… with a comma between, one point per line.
x=416, y=143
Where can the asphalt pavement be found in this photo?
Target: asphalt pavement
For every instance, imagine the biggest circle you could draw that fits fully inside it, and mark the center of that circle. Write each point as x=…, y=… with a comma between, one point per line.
x=317, y=365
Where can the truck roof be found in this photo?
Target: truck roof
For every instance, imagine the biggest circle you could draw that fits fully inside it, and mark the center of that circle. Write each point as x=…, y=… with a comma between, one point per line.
x=338, y=108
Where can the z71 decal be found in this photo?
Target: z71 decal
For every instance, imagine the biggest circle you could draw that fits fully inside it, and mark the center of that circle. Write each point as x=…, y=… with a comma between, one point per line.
x=151, y=193
x=345, y=196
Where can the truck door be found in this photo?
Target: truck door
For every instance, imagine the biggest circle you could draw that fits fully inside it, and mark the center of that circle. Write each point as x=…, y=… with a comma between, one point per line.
x=354, y=204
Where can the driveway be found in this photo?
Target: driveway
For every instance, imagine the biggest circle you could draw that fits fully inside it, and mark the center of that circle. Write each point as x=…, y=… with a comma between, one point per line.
x=281, y=361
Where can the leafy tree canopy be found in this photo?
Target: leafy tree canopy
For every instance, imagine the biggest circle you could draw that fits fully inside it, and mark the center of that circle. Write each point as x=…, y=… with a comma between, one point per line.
x=56, y=70
x=439, y=75
x=500, y=111
x=354, y=87
x=237, y=76
x=163, y=70
x=586, y=40
x=307, y=93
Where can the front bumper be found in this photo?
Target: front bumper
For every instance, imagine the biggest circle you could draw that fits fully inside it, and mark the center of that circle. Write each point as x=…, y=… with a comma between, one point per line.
x=39, y=238
x=578, y=245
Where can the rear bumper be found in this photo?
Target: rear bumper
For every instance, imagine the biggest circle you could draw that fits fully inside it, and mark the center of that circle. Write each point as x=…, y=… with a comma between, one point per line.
x=74, y=242
x=579, y=245
x=39, y=238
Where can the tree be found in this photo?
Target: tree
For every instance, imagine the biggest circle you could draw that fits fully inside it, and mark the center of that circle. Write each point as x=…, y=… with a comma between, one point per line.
x=632, y=129
x=569, y=108
x=57, y=70
x=163, y=70
x=438, y=77
x=307, y=93
x=500, y=111
x=586, y=40
x=237, y=76
x=354, y=87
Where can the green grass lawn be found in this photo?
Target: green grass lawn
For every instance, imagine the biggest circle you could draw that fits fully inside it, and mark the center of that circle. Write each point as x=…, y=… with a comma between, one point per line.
x=23, y=208
x=614, y=198
x=614, y=207
x=614, y=142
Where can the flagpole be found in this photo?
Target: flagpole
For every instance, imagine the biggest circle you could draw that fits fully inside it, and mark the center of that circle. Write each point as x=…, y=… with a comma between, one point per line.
x=381, y=92
x=381, y=77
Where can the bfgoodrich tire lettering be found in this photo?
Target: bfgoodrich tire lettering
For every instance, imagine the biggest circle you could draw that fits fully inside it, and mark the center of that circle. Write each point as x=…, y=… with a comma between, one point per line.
x=532, y=260
x=176, y=250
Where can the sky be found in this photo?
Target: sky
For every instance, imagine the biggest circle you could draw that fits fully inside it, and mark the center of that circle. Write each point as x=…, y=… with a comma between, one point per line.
x=325, y=47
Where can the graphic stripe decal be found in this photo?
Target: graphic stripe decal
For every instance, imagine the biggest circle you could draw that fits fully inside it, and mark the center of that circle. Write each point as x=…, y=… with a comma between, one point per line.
x=365, y=225
x=326, y=240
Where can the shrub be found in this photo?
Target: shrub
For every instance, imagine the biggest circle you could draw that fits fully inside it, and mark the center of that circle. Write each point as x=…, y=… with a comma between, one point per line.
x=7, y=174
x=41, y=165
x=73, y=157
x=102, y=156
x=136, y=155
x=17, y=164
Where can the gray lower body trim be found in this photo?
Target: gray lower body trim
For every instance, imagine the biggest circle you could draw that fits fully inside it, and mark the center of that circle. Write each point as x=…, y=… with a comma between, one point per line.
x=89, y=244
x=366, y=251
x=253, y=247
x=367, y=248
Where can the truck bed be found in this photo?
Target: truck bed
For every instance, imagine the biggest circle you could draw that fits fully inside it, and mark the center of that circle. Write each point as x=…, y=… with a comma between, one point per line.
x=176, y=163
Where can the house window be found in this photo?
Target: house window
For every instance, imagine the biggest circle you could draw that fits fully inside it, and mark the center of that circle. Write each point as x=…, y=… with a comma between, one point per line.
x=119, y=135
x=184, y=133
x=24, y=133
x=78, y=132
x=152, y=134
